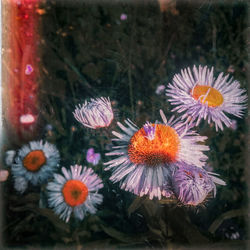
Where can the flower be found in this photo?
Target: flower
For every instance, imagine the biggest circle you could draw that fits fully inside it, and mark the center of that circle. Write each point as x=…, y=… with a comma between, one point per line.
x=201, y=96
x=146, y=156
x=95, y=114
x=35, y=162
x=123, y=17
x=191, y=185
x=234, y=125
x=9, y=157
x=160, y=89
x=76, y=191
x=20, y=184
x=93, y=157
x=28, y=69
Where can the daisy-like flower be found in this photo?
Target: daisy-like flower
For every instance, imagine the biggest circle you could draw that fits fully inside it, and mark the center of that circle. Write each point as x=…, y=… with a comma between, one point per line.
x=191, y=185
x=76, y=191
x=35, y=162
x=202, y=96
x=146, y=157
x=95, y=114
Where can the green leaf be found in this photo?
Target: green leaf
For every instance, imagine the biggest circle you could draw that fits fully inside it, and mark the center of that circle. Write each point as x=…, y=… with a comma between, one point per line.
x=121, y=236
x=138, y=201
x=230, y=214
x=54, y=219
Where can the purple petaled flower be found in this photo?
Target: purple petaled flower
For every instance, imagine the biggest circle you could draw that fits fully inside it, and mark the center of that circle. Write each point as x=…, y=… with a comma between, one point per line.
x=191, y=185
x=95, y=114
x=144, y=167
x=75, y=192
x=123, y=17
x=93, y=157
x=149, y=130
x=202, y=96
x=28, y=69
x=160, y=89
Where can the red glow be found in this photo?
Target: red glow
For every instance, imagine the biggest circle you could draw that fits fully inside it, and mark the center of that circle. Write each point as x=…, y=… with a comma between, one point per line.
x=23, y=62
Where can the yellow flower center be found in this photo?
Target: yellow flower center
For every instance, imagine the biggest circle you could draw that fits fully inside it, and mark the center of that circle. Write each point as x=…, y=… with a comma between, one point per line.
x=74, y=192
x=162, y=149
x=34, y=160
x=207, y=94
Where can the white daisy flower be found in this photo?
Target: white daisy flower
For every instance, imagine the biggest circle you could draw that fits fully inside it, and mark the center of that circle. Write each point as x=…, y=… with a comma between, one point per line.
x=95, y=114
x=200, y=95
x=35, y=162
x=76, y=191
x=146, y=157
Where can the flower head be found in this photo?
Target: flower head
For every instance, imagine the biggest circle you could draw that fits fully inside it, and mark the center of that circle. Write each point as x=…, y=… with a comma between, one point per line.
x=145, y=157
x=75, y=191
x=93, y=157
x=234, y=125
x=191, y=185
x=9, y=157
x=28, y=69
x=95, y=114
x=160, y=89
x=35, y=162
x=201, y=96
x=123, y=17
x=20, y=184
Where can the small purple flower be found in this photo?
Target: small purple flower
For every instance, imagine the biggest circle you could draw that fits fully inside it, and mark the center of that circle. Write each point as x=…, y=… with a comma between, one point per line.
x=160, y=89
x=149, y=130
x=123, y=17
x=48, y=127
x=234, y=125
x=93, y=157
x=28, y=69
x=191, y=185
x=231, y=69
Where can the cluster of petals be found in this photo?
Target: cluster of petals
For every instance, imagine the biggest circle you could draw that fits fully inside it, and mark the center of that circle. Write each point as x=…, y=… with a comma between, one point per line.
x=191, y=185
x=96, y=113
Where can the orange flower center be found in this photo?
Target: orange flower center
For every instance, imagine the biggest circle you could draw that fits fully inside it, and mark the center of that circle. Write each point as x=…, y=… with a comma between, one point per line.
x=74, y=192
x=207, y=94
x=34, y=160
x=162, y=149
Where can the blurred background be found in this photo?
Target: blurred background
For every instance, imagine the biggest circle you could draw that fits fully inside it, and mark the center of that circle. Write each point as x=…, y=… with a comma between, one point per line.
x=129, y=52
